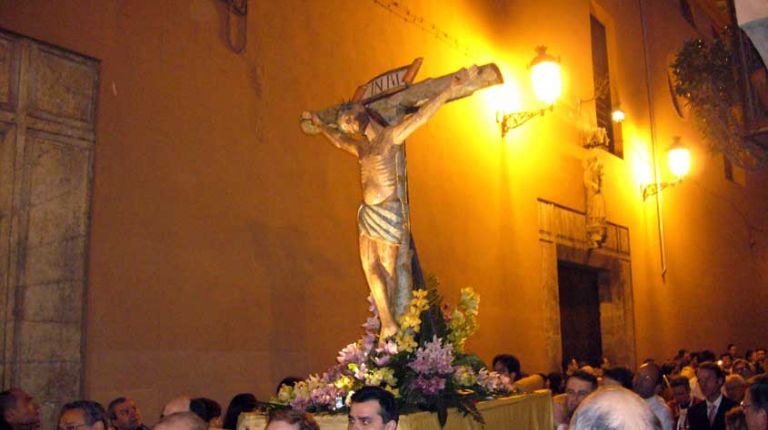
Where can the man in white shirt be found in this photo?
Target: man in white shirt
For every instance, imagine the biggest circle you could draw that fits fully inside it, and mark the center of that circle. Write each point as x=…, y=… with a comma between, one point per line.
x=647, y=384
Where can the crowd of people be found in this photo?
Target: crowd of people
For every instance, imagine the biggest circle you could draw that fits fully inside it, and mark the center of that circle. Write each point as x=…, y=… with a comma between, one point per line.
x=694, y=390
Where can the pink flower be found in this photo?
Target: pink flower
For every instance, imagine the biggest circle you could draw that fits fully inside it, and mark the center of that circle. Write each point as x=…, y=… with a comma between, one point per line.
x=372, y=324
x=333, y=373
x=360, y=372
x=428, y=386
x=372, y=307
x=300, y=403
x=326, y=396
x=350, y=354
x=493, y=382
x=369, y=341
x=433, y=358
x=382, y=360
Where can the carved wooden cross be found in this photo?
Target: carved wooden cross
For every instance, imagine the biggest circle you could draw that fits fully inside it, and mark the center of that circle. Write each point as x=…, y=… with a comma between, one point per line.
x=392, y=96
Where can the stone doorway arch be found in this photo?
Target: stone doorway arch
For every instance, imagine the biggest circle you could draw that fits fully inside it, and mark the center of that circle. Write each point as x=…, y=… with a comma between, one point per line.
x=563, y=238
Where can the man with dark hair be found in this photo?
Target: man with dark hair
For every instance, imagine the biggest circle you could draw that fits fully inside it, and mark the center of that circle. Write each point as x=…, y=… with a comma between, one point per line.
x=755, y=403
x=18, y=410
x=710, y=415
x=618, y=375
x=508, y=365
x=373, y=408
x=647, y=384
x=181, y=421
x=760, y=360
x=207, y=409
x=682, y=400
x=83, y=414
x=577, y=387
x=243, y=402
x=125, y=415
x=707, y=355
x=289, y=419
x=726, y=362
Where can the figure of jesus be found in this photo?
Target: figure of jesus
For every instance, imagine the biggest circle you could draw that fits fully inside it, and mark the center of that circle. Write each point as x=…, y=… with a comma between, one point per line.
x=381, y=218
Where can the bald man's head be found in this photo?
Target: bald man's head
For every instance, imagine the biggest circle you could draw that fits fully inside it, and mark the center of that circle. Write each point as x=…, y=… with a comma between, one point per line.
x=181, y=421
x=179, y=404
x=647, y=380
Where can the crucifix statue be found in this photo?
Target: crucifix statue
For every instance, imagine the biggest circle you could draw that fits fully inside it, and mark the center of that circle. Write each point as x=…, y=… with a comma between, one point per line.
x=373, y=127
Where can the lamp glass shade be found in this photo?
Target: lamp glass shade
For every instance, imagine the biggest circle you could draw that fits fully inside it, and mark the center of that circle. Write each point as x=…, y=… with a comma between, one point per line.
x=547, y=81
x=679, y=159
x=618, y=115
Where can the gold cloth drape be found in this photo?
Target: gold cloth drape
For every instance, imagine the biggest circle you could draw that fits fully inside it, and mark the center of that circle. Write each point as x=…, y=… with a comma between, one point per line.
x=530, y=411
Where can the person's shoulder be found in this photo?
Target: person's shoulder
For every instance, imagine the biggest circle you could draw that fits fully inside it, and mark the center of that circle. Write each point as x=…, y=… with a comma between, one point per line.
x=698, y=406
x=728, y=403
x=662, y=403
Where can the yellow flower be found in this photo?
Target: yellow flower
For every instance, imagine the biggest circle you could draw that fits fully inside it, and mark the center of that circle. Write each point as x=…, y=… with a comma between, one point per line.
x=463, y=322
x=344, y=382
x=373, y=378
x=388, y=376
x=409, y=321
x=285, y=394
x=394, y=390
x=405, y=342
x=465, y=376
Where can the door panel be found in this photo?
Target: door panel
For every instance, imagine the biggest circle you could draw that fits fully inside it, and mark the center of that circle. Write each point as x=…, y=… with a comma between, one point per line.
x=579, y=313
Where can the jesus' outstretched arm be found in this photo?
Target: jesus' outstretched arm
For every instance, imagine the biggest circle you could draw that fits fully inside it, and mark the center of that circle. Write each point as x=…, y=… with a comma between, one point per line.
x=401, y=131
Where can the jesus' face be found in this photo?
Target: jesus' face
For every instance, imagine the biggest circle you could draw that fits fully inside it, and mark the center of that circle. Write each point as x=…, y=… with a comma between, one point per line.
x=353, y=120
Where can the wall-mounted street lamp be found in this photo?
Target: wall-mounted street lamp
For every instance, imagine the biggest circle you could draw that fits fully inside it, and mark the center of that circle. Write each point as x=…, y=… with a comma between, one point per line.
x=547, y=86
x=678, y=162
x=618, y=115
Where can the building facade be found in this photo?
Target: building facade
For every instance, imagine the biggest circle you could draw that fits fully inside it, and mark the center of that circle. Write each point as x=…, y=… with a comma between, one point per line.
x=221, y=251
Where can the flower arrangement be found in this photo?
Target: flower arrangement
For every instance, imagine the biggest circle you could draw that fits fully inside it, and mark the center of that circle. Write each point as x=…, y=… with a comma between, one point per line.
x=424, y=364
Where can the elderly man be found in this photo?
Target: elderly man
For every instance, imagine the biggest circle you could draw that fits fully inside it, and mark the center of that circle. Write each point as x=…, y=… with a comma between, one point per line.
x=710, y=415
x=577, y=387
x=125, y=415
x=18, y=410
x=83, y=415
x=181, y=421
x=744, y=368
x=373, y=408
x=734, y=387
x=647, y=384
x=755, y=403
x=178, y=404
x=613, y=408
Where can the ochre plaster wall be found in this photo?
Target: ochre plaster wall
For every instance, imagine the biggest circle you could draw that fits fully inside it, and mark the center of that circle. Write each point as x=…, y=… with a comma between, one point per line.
x=223, y=244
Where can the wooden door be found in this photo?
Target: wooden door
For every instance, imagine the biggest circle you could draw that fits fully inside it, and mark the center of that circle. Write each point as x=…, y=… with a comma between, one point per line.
x=579, y=313
x=47, y=134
